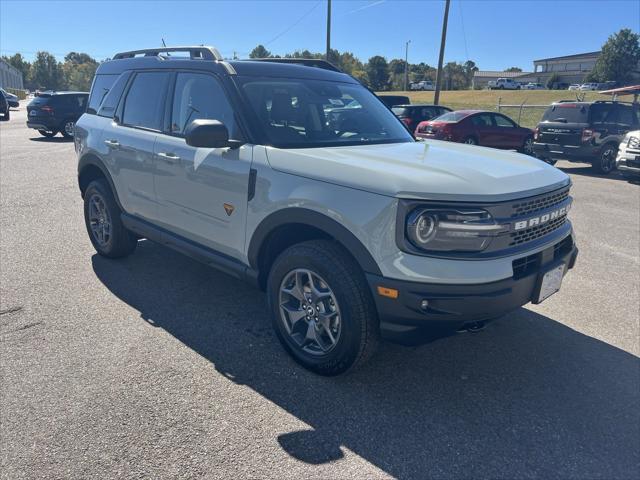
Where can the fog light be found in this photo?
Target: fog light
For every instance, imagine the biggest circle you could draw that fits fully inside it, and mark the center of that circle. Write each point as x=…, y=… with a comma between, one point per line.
x=424, y=304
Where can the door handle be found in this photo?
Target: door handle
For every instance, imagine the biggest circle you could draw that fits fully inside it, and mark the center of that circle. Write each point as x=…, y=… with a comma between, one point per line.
x=169, y=157
x=112, y=143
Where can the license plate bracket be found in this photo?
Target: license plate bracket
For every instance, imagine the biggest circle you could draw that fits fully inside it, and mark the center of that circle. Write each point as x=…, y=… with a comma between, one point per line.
x=549, y=282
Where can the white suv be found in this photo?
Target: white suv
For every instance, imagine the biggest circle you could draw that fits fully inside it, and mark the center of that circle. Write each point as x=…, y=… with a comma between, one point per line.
x=504, y=84
x=351, y=226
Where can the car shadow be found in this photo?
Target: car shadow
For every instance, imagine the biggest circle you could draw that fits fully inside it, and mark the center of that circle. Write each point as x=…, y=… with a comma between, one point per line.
x=56, y=139
x=528, y=397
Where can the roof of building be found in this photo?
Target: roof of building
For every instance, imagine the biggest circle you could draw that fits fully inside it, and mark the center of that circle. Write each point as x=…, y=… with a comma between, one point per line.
x=571, y=57
x=490, y=73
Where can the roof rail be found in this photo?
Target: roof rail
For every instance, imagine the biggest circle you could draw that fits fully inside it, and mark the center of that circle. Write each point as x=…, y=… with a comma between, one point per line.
x=310, y=62
x=201, y=52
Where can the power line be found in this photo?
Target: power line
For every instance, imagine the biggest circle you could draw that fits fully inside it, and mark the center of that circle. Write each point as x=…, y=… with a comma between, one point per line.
x=293, y=25
x=464, y=34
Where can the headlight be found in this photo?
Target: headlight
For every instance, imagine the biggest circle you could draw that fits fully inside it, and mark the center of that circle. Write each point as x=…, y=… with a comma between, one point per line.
x=447, y=230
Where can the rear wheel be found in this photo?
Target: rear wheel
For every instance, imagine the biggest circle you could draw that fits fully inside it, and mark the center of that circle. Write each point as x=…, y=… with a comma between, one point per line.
x=527, y=147
x=606, y=161
x=68, y=129
x=102, y=218
x=321, y=307
x=47, y=133
x=470, y=141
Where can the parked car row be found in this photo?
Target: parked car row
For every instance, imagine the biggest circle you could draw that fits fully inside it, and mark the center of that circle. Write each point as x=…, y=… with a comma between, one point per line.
x=51, y=113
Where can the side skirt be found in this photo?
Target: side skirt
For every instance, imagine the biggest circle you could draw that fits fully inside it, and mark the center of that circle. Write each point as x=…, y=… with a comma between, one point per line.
x=203, y=254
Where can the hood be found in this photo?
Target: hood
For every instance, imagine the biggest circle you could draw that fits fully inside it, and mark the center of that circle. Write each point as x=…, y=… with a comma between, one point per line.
x=430, y=170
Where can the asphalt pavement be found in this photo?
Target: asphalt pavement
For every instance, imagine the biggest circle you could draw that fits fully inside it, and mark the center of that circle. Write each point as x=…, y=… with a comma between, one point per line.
x=156, y=366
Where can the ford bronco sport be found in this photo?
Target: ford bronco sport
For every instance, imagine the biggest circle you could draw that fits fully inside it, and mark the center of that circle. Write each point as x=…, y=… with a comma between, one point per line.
x=351, y=226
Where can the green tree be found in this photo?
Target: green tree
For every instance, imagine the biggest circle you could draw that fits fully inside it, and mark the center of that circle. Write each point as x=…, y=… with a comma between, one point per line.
x=21, y=64
x=377, y=70
x=554, y=79
x=469, y=68
x=78, y=70
x=513, y=69
x=260, y=52
x=619, y=58
x=396, y=71
x=455, y=77
x=46, y=72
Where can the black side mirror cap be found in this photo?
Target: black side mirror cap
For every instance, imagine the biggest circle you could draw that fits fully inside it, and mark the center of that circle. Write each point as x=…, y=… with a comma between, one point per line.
x=209, y=134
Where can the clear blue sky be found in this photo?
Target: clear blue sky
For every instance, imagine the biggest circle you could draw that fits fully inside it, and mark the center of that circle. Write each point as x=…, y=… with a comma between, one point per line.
x=495, y=34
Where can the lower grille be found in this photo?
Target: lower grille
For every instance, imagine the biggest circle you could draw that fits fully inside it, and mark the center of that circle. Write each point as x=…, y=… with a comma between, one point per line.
x=524, y=266
x=536, y=232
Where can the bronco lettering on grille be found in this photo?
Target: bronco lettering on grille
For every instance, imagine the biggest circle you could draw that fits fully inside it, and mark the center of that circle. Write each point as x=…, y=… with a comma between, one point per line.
x=542, y=219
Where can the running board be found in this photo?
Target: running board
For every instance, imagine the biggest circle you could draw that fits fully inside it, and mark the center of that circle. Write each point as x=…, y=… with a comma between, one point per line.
x=202, y=254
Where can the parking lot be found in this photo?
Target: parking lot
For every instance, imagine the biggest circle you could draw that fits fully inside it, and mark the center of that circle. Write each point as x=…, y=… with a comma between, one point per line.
x=157, y=366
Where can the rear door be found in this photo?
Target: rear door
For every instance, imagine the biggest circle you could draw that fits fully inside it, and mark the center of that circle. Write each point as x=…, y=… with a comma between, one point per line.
x=202, y=192
x=484, y=129
x=130, y=141
x=507, y=132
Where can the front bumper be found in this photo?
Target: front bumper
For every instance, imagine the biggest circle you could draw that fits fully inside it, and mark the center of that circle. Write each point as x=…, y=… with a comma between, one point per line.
x=453, y=306
x=628, y=163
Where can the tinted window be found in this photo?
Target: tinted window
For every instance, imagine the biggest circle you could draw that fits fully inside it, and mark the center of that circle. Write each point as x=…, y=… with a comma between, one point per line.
x=566, y=113
x=308, y=113
x=626, y=115
x=110, y=102
x=99, y=89
x=451, y=117
x=502, y=121
x=602, y=113
x=482, y=120
x=144, y=104
x=200, y=96
x=400, y=111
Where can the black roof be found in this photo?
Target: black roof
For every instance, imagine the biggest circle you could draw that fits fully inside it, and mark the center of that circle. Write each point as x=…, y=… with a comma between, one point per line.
x=271, y=68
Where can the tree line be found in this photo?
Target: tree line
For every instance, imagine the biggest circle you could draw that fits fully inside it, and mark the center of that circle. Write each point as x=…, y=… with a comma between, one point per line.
x=45, y=72
x=619, y=59
x=379, y=74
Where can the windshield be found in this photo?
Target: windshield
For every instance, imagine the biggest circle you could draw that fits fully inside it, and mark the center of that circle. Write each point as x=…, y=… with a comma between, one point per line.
x=451, y=117
x=566, y=112
x=297, y=113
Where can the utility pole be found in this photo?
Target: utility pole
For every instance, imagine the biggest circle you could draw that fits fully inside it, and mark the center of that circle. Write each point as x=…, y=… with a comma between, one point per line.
x=328, y=28
x=436, y=97
x=406, y=64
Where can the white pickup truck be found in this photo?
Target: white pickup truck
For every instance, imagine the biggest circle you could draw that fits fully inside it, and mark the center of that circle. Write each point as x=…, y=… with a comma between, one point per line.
x=503, y=84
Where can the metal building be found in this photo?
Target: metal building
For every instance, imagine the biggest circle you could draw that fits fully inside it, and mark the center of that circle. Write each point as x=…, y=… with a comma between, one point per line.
x=10, y=77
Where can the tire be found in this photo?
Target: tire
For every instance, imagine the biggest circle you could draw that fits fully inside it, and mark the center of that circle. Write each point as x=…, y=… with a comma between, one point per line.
x=527, y=147
x=470, y=140
x=66, y=129
x=108, y=235
x=606, y=161
x=550, y=161
x=352, y=317
x=47, y=133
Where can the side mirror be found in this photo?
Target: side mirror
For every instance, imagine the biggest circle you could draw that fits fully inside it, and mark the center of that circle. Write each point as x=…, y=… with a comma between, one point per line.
x=209, y=134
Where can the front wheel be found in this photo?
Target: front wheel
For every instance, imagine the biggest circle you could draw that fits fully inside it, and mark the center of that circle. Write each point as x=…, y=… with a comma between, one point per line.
x=321, y=307
x=102, y=218
x=7, y=116
x=47, y=133
x=606, y=161
x=470, y=141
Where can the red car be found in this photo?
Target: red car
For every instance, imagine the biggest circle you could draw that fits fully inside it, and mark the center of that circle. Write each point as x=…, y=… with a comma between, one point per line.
x=476, y=127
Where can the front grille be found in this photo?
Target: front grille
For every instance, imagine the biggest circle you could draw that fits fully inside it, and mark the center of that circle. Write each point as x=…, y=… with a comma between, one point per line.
x=538, y=231
x=540, y=203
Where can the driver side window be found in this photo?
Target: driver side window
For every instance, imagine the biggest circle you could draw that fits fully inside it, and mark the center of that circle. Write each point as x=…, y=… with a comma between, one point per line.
x=200, y=96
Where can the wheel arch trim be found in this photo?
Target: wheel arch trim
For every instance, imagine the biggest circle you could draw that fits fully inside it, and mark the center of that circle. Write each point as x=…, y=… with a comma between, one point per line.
x=92, y=160
x=319, y=221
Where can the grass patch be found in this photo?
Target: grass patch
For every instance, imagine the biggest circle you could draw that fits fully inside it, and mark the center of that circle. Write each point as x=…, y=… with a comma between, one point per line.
x=488, y=100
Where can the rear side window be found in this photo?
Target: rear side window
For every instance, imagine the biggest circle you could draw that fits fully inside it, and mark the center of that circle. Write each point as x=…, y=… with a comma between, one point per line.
x=482, y=120
x=602, y=113
x=502, y=121
x=566, y=113
x=400, y=110
x=99, y=89
x=144, y=103
x=451, y=117
x=110, y=102
x=626, y=116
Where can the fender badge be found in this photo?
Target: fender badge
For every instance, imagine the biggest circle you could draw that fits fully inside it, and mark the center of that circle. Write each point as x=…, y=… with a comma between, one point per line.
x=228, y=208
